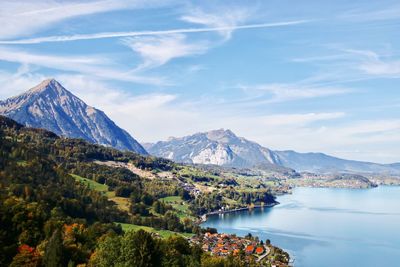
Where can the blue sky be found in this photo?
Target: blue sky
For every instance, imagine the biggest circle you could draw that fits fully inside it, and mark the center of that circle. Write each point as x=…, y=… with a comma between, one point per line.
x=302, y=75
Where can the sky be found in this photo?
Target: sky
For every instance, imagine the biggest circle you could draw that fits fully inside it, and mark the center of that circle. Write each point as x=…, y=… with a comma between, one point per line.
x=310, y=76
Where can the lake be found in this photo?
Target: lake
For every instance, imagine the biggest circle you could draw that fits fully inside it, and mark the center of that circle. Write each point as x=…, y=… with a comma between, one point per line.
x=327, y=227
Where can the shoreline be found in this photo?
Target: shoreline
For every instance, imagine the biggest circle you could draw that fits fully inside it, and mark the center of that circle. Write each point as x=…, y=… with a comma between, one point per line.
x=203, y=218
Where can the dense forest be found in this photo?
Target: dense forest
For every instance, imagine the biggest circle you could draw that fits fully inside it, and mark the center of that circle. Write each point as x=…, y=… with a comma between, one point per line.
x=48, y=218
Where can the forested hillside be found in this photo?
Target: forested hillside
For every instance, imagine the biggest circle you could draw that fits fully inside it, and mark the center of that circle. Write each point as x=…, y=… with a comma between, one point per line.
x=59, y=202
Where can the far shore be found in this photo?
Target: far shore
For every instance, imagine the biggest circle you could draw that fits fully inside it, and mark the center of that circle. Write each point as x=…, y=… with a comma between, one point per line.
x=203, y=217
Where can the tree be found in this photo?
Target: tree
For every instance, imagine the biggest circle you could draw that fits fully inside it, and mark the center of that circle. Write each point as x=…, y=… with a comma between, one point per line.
x=27, y=256
x=53, y=256
x=173, y=222
x=108, y=252
x=140, y=249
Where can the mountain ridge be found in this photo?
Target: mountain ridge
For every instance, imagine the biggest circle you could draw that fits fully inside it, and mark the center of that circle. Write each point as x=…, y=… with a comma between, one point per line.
x=206, y=147
x=50, y=106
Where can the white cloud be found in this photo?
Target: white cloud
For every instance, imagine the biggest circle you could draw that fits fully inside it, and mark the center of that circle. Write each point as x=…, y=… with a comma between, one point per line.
x=95, y=65
x=49, y=61
x=158, y=50
x=269, y=93
x=224, y=18
x=372, y=63
x=23, y=18
x=382, y=68
x=13, y=84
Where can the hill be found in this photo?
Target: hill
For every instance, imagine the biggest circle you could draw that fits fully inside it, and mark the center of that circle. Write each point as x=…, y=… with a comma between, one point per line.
x=69, y=195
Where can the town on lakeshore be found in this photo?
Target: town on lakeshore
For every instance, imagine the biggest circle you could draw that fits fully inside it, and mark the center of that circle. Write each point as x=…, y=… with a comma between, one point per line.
x=249, y=248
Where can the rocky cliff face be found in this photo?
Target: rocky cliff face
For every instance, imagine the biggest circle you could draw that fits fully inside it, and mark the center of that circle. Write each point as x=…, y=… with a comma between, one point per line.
x=218, y=147
x=50, y=106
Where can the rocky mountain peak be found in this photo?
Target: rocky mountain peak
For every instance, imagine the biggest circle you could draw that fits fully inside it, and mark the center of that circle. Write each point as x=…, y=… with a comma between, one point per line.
x=221, y=135
x=51, y=88
x=50, y=106
x=218, y=147
x=45, y=85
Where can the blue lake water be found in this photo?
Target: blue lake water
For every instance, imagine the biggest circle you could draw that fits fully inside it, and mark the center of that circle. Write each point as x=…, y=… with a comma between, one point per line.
x=327, y=227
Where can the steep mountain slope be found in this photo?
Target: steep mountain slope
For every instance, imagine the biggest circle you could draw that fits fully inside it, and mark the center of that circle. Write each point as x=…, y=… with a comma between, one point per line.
x=224, y=148
x=218, y=147
x=50, y=106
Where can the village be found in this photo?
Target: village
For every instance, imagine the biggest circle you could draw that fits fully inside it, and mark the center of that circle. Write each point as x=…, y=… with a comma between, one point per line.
x=220, y=244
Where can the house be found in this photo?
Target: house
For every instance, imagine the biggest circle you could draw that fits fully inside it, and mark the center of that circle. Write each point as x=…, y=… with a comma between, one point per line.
x=224, y=251
x=260, y=250
x=249, y=249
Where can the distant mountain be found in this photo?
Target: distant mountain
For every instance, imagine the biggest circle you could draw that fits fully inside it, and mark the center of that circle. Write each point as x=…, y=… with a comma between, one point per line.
x=322, y=163
x=218, y=147
x=395, y=165
x=224, y=148
x=50, y=106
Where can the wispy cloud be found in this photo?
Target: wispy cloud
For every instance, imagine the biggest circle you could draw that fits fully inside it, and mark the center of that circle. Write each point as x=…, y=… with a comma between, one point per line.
x=348, y=65
x=226, y=19
x=98, y=66
x=378, y=12
x=375, y=64
x=104, y=35
x=300, y=119
x=17, y=82
x=22, y=18
x=281, y=92
x=158, y=50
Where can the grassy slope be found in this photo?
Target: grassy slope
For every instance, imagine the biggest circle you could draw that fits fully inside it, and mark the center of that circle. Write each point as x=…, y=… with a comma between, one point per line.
x=92, y=184
x=162, y=233
x=122, y=203
x=181, y=207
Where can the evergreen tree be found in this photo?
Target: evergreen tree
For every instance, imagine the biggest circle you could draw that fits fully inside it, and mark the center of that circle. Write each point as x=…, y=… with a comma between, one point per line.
x=53, y=256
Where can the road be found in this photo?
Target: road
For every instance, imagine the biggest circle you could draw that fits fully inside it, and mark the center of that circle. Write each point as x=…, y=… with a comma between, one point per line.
x=266, y=253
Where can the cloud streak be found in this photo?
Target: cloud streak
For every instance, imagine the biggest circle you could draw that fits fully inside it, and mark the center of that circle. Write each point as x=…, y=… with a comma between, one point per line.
x=105, y=35
x=20, y=18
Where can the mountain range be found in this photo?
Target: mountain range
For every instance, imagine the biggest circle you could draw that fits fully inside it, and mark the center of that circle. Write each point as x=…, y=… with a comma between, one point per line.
x=224, y=148
x=50, y=106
